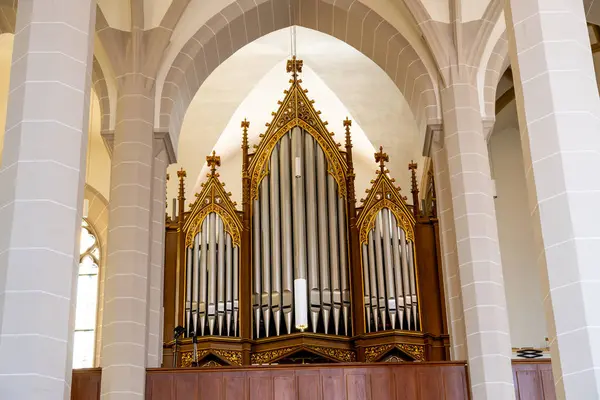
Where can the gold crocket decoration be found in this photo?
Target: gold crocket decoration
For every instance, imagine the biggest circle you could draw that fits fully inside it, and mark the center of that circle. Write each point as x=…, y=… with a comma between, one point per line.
x=213, y=199
x=374, y=353
x=267, y=357
x=233, y=357
x=342, y=355
x=296, y=110
x=384, y=194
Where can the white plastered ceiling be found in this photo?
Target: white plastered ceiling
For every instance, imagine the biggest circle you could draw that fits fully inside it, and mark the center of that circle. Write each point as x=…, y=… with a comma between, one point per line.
x=341, y=80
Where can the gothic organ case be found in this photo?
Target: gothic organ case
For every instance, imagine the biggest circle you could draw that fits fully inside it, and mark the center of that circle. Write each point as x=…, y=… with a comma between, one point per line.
x=301, y=274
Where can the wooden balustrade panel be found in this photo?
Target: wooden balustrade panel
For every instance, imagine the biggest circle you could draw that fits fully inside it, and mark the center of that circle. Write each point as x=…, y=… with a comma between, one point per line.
x=86, y=384
x=534, y=380
x=426, y=381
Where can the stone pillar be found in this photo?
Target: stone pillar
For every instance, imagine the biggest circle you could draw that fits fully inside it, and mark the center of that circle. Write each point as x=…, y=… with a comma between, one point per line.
x=478, y=251
x=124, y=342
x=41, y=195
x=452, y=290
x=164, y=156
x=559, y=118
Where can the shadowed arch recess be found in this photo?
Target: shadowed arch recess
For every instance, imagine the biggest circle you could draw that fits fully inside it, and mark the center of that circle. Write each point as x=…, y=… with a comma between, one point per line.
x=244, y=21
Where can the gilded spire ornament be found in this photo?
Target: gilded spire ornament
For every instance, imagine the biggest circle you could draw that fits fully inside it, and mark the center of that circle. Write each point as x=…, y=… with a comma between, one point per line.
x=412, y=167
x=381, y=158
x=213, y=162
x=294, y=66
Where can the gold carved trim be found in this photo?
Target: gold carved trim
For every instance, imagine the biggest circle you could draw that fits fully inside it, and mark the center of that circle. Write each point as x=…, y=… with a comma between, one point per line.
x=267, y=357
x=229, y=224
x=342, y=355
x=374, y=353
x=296, y=110
x=367, y=224
x=233, y=357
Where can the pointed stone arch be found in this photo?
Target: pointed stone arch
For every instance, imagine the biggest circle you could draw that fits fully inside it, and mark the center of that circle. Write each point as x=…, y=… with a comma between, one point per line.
x=244, y=21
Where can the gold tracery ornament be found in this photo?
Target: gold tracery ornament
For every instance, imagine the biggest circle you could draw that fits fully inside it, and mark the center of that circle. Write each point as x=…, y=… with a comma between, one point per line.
x=384, y=194
x=296, y=110
x=213, y=199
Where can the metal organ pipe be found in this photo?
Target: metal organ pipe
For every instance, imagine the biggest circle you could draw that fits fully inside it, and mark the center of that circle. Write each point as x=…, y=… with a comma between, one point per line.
x=323, y=238
x=405, y=278
x=194, y=277
x=220, y=274
x=380, y=270
x=275, y=240
x=389, y=272
x=228, y=284
x=299, y=221
x=397, y=271
x=189, y=302
x=265, y=253
x=413, y=286
x=343, y=261
x=256, y=264
x=373, y=279
x=286, y=228
x=236, y=290
x=311, y=226
x=203, y=282
x=367, y=288
x=212, y=276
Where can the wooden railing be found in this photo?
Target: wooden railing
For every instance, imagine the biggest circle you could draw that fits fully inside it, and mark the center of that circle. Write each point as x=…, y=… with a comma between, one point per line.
x=415, y=381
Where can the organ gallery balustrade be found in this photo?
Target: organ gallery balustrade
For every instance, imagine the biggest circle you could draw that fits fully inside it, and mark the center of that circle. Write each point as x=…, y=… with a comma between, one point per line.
x=300, y=274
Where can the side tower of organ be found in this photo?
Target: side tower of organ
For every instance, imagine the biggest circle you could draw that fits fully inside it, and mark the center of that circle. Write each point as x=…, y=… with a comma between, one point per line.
x=301, y=274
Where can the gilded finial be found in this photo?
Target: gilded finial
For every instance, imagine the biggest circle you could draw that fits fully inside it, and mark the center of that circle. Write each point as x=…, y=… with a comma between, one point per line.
x=294, y=67
x=245, y=126
x=414, y=189
x=347, y=125
x=213, y=162
x=181, y=174
x=381, y=158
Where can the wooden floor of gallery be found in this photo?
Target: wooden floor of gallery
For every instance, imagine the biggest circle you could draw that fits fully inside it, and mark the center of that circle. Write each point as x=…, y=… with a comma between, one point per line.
x=414, y=381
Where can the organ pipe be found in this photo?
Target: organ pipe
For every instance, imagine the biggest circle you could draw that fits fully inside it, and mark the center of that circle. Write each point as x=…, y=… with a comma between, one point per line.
x=276, y=241
x=256, y=264
x=228, y=284
x=212, y=276
x=311, y=226
x=413, y=287
x=405, y=277
x=220, y=275
x=203, y=282
x=343, y=242
x=265, y=254
x=323, y=239
x=373, y=280
x=194, y=277
x=367, y=288
x=389, y=272
x=380, y=276
x=286, y=228
x=236, y=268
x=189, y=301
x=398, y=272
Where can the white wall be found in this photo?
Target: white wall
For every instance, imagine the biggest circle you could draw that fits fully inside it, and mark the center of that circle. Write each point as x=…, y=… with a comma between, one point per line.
x=521, y=274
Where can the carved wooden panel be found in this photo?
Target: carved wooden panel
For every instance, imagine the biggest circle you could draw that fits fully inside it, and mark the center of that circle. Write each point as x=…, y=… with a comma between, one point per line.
x=429, y=381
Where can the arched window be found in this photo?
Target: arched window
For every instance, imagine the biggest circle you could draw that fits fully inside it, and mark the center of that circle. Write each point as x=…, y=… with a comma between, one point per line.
x=87, y=298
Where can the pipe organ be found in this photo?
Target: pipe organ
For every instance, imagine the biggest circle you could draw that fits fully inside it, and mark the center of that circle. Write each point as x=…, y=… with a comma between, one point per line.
x=302, y=273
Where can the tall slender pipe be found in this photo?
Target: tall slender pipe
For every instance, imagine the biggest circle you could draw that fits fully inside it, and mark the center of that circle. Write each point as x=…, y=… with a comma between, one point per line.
x=413, y=284
x=397, y=271
x=203, y=282
x=367, y=287
x=406, y=278
x=212, y=273
x=312, y=230
x=236, y=289
x=220, y=274
x=275, y=240
x=189, y=301
x=333, y=251
x=326, y=302
x=389, y=270
x=299, y=221
x=256, y=265
x=228, y=284
x=265, y=254
x=380, y=273
x=343, y=254
x=285, y=171
x=195, y=281
x=373, y=279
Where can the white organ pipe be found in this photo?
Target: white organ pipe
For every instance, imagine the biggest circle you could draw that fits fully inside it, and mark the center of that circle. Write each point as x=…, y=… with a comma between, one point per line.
x=373, y=279
x=323, y=237
x=275, y=240
x=380, y=273
x=366, y=286
x=195, y=278
x=300, y=304
x=203, y=281
x=413, y=285
x=236, y=289
x=189, y=300
x=265, y=254
x=256, y=265
x=343, y=261
x=220, y=274
x=228, y=284
x=397, y=271
x=286, y=228
x=405, y=278
x=299, y=221
x=389, y=271
x=212, y=273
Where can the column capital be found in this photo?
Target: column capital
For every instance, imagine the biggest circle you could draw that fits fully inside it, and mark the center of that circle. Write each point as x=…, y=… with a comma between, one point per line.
x=162, y=140
x=434, y=139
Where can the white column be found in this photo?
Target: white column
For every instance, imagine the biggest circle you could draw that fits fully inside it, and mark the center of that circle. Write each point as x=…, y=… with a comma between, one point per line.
x=163, y=157
x=124, y=341
x=559, y=117
x=41, y=195
x=452, y=290
x=478, y=251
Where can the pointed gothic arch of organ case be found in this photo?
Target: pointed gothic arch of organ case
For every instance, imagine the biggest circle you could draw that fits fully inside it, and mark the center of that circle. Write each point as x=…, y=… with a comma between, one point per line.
x=299, y=247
